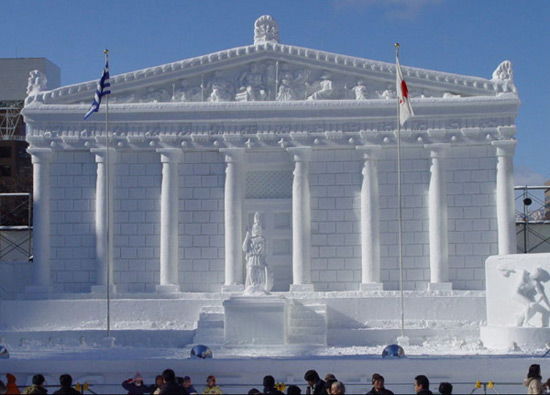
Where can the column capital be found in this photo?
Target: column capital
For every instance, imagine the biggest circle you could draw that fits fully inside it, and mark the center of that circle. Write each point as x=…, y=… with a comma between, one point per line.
x=101, y=154
x=40, y=155
x=300, y=154
x=233, y=154
x=438, y=150
x=369, y=151
x=170, y=155
x=505, y=147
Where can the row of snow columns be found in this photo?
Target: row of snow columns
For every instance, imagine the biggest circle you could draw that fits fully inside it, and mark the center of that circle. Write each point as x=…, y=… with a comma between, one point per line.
x=301, y=217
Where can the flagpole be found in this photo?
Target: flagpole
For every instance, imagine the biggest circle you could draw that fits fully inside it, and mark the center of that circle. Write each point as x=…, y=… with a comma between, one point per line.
x=400, y=205
x=108, y=246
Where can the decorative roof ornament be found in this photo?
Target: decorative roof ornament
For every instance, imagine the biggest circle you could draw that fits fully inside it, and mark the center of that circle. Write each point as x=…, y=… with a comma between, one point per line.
x=266, y=30
x=504, y=72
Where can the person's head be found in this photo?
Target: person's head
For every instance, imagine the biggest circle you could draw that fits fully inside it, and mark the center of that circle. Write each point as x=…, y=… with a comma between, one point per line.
x=186, y=381
x=38, y=379
x=293, y=390
x=65, y=380
x=269, y=381
x=534, y=371
x=445, y=388
x=254, y=391
x=169, y=376
x=328, y=385
x=138, y=378
x=158, y=381
x=311, y=377
x=338, y=388
x=211, y=381
x=11, y=378
x=378, y=381
x=421, y=382
x=329, y=376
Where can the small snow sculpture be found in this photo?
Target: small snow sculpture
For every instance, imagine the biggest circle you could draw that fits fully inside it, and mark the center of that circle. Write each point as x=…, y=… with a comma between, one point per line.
x=504, y=72
x=324, y=88
x=259, y=279
x=286, y=91
x=360, y=90
x=36, y=83
x=266, y=29
x=532, y=294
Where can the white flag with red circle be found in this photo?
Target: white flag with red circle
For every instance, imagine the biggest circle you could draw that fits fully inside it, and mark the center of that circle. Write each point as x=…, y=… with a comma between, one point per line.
x=405, y=107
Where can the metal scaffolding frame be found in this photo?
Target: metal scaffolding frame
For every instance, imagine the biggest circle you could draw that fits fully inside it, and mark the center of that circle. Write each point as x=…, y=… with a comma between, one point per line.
x=9, y=222
x=10, y=116
x=532, y=218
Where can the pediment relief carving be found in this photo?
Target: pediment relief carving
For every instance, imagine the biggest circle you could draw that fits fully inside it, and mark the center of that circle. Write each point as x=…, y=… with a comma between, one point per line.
x=271, y=80
x=273, y=72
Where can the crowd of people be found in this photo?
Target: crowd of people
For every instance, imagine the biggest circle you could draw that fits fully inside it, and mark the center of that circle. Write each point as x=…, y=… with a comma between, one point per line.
x=169, y=383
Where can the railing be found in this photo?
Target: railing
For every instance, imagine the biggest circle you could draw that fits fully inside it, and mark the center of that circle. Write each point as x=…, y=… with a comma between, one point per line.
x=15, y=226
x=532, y=218
x=465, y=387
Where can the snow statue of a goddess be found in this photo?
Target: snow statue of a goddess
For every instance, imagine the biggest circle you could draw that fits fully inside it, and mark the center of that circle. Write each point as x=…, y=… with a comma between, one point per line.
x=259, y=278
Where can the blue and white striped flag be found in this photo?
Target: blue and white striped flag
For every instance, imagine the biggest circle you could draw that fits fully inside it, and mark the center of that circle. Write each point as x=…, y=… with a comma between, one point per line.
x=103, y=88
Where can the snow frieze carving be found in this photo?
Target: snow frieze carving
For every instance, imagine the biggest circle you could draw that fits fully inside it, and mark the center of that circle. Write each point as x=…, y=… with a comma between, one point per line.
x=251, y=87
x=36, y=83
x=266, y=30
x=219, y=88
x=322, y=89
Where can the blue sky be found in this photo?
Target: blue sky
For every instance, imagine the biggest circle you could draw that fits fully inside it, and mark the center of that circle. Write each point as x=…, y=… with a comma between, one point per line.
x=468, y=37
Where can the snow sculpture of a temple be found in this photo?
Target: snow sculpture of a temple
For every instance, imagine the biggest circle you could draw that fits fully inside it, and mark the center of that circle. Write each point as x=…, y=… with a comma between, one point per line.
x=304, y=137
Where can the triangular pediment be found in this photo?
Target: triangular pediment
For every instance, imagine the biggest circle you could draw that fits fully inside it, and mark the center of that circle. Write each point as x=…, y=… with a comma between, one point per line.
x=275, y=72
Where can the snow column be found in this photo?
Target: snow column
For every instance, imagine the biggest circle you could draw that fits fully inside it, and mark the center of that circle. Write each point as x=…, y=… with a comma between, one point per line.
x=104, y=212
x=41, y=160
x=438, y=225
x=233, y=203
x=505, y=197
x=370, y=224
x=301, y=221
x=169, y=216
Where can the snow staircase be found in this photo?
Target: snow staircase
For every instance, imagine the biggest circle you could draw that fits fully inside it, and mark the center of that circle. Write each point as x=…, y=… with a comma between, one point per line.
x=210, y=326
x=307, y=323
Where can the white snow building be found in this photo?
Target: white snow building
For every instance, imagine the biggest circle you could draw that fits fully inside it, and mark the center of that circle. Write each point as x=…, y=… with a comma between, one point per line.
x=160, y=202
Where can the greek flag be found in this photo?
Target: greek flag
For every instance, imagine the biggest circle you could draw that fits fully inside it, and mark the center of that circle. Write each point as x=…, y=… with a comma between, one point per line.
x=103, y=88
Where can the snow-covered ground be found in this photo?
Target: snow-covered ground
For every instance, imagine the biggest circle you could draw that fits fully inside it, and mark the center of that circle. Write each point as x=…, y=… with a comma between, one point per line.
x=238, y=369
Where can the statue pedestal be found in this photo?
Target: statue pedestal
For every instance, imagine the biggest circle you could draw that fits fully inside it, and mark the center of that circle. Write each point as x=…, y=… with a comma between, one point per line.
x=256, y=320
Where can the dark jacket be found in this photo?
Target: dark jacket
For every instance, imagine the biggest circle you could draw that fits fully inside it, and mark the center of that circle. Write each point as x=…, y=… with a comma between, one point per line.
x=67, y=391
x=133, y=389
x=424, y=392
x=35, y=389
x=318, y=388
x=191, y=390
x=384, y=391
x=173, y=388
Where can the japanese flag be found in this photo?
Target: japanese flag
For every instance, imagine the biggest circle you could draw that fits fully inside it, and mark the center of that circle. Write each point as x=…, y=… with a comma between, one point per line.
x=405, y=108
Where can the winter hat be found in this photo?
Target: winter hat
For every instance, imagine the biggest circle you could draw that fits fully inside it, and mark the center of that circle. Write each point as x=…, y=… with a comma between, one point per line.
x=138, y=376
x=185, y=378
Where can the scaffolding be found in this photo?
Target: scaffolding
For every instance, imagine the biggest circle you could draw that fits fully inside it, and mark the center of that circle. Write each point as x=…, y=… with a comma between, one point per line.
x=532, y=218
x=10, y=118
x=15, y=227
